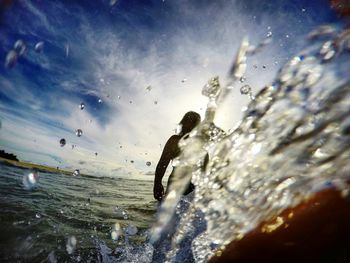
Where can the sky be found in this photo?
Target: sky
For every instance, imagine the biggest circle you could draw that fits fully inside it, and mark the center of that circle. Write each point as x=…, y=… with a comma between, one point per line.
x=138, y=67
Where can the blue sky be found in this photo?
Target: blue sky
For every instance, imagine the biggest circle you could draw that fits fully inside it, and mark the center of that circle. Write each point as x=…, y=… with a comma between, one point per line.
x=112, y=51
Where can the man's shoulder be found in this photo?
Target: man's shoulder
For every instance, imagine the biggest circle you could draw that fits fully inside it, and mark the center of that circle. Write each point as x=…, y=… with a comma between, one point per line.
x=174, y=139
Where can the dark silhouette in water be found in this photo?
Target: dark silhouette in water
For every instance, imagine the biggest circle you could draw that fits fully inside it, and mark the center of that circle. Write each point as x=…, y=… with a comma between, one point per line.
x=171, y=150
x=8, y=156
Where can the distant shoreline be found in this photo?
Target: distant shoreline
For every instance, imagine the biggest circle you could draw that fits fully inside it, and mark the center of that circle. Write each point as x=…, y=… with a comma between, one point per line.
x=40, y=168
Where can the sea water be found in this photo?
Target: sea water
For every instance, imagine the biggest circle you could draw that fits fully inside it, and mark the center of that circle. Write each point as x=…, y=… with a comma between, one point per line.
x=66, y=218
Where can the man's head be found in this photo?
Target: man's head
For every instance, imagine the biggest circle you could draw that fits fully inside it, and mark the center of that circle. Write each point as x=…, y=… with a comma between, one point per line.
x=190, y=120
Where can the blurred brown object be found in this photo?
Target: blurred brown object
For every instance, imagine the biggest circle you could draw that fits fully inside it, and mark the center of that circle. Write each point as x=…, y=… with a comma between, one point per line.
x=317, y=230
x=342, y=7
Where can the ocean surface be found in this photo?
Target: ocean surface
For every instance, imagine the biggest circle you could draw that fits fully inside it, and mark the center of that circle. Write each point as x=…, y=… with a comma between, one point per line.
x=72, y=218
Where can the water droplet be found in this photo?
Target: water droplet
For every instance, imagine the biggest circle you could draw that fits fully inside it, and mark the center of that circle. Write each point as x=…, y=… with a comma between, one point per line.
x=37, y=215
x=66, y=47
x=76, y=172
x=39, y=47
x=212, y=88
x=52, y=257
x=11, y=59
x=269, y=34
x=303, y=10
x=79, y=132
x=125, y=215
x=20, y=47
x=116, y=231
x=148, y=163
x=246, y=89
x=131, y=230
x=99, y=100
x=82, y=106
x=30, y=180
x=71, y=244
x=328, y=50
x=63, y=142
x=112, y=2
x=120, y=213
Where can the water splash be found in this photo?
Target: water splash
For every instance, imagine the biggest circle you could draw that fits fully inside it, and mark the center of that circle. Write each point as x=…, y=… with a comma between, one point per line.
x=292, y=141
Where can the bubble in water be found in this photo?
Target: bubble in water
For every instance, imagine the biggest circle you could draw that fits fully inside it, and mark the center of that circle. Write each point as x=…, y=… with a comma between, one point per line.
x=20, y=47
x=79, y=132
x=148, y=163
x=76, y=172
x=269, y=34
x=71, y=244
x=82, y=106
x=99, y=100
x=11, y=59
x=30, y=180
x=131, y=230
x=37, y=215
x=63, y=142
x=149, y=88
x=246, y=89
x=242, y=79
x=39, y=46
